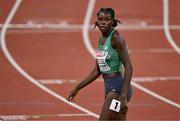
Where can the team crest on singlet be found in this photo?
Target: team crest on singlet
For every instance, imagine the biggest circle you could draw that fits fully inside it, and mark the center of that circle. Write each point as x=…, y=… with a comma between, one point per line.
x=101, y=57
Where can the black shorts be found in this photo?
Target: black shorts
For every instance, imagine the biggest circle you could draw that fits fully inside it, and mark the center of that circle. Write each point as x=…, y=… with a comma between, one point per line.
x=115, y=85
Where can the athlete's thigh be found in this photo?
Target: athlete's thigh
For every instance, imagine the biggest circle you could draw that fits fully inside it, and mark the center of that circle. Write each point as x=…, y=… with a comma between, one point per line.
x=122, y=113
x=107, y=113
x=121, y=116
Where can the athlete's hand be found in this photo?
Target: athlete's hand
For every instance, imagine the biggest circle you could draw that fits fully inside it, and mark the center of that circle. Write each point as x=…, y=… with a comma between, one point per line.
x=124, y=107
x=72, y=94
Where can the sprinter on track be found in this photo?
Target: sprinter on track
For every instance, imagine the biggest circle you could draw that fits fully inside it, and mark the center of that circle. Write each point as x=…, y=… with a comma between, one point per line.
x=111, y=56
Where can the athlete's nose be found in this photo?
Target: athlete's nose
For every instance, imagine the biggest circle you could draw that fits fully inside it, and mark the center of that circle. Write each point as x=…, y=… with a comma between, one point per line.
x=103, y=22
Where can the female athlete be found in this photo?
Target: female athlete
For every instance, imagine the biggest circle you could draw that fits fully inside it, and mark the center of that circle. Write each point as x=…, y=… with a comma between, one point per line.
x=111, y=56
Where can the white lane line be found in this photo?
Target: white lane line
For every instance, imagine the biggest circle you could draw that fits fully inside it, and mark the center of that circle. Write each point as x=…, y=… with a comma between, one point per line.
x=91, y=50
x=166, y=26
x=154, y=79
x=148, y=91
x=24, y=73
x=72, y=115
x=55, y=26
x=85, y=29
x=134, y=79
x=37, y=116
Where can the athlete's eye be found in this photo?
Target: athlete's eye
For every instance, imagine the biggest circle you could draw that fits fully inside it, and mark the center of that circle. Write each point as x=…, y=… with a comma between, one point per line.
x=107, y=19
x=99, y=19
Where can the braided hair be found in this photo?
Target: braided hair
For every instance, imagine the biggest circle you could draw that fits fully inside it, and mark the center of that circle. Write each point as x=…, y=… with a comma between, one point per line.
x=112, y=13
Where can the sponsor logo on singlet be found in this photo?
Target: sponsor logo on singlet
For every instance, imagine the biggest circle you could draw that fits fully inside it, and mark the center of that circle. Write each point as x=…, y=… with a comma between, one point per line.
x=101, y=57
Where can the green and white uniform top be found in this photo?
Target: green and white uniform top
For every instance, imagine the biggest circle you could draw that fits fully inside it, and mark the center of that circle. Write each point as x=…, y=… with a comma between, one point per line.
x=107, y=57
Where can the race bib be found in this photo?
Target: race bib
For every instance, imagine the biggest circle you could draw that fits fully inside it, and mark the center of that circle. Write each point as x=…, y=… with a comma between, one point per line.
x=115, y=105
x=101, y=57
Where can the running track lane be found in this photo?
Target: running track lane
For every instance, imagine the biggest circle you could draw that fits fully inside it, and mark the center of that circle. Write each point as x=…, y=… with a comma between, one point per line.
x=76, y=75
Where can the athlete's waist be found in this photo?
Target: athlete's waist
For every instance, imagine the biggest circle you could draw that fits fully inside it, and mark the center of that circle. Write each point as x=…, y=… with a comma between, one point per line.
x=110, y=75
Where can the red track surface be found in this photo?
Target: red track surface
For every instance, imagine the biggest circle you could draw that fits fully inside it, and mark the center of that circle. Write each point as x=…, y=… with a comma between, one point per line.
x=61, y=54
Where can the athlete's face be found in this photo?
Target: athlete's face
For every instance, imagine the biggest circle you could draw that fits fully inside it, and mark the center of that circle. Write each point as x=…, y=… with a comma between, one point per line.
x=104, y=22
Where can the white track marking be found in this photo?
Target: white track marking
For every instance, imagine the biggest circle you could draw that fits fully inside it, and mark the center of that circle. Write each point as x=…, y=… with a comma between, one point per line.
x=166, y=26
x=90, y=49
x=148, y=91
x=154, y=79
x=72, y=27
x=85, y=29
x=72, y=115
x=25, y=74
x=37, y=116
x=134, y=79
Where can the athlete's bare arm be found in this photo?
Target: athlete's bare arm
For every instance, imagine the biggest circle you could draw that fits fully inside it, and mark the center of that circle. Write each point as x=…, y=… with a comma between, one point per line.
x=119, y=43
x=95, y=73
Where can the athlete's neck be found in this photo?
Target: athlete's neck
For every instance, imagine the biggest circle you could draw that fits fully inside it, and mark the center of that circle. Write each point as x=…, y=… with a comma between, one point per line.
x=106, y=34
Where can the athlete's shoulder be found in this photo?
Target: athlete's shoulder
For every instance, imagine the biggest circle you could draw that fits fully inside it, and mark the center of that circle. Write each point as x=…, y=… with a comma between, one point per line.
x=118, y=37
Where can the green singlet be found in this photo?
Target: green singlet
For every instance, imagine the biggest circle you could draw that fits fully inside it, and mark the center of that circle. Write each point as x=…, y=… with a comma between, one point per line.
x=107, y=57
